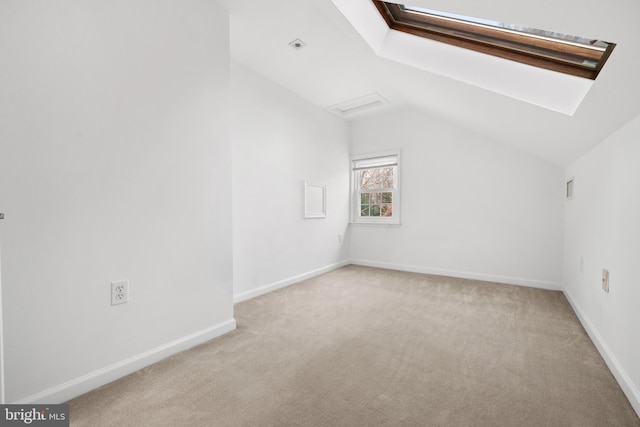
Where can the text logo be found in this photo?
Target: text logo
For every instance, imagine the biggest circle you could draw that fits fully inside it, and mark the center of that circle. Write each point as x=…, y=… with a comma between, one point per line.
x=34, y=415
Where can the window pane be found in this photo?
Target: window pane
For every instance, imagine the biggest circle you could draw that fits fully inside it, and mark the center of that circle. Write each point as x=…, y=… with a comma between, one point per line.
x=364, y=198
x=377, y=178
x=387, y=210
x=364, y=210
x=368, y=179
x=387, y=181
x=375, y=210
x=386, y=197
x=371, y=179
x=498, y=24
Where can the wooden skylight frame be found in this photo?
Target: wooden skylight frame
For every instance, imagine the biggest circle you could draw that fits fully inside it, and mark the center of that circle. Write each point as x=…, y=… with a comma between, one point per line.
x=552, y=51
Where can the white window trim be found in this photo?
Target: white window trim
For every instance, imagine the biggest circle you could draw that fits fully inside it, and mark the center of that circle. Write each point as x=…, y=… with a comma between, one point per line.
x=355, y=218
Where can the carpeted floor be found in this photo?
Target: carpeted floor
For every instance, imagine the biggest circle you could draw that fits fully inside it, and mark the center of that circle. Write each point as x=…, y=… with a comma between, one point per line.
x=369, y=347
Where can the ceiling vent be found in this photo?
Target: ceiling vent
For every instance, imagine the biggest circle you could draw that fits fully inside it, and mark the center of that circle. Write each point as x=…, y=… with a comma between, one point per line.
x=297, y=44
x=358, y=104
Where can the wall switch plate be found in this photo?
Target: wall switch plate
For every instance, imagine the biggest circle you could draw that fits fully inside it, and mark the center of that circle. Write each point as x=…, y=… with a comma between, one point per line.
x=119, y=292
x=605, y=280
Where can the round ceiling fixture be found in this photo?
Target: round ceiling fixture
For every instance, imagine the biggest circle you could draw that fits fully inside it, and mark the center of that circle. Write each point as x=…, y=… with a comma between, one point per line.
x=297, y=44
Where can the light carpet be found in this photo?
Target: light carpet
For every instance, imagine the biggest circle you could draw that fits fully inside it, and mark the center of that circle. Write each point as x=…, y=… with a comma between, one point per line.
x=363, y=346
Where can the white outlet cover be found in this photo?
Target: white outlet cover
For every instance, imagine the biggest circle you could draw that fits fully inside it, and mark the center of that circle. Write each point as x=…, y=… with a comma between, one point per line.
x=605, y=280
x=119, y=292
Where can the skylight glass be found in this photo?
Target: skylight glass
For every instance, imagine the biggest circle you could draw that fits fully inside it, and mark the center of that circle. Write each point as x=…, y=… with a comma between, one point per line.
x=578, y=56
x=532, y=32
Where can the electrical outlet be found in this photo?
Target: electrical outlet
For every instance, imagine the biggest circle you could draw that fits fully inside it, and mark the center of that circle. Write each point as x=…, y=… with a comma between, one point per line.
x=119, y=292
x=605, y=280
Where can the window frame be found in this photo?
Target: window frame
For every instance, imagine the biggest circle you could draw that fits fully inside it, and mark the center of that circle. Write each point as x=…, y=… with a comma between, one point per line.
x=551, y=53
x=356, y=191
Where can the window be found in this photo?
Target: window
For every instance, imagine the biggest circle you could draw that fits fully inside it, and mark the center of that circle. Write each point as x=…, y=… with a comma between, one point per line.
x=375, y=196
x=573, y=55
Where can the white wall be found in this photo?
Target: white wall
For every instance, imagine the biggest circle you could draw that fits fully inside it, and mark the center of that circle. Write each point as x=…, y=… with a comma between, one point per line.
x=470, y=207
x=602, y=226
x=280, y=140
x=115, y=164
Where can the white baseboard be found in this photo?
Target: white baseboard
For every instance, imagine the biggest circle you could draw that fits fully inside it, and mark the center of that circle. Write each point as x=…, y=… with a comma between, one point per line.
x=462, y=274
x=243, y=296
x=626, y=384
x=70, y=389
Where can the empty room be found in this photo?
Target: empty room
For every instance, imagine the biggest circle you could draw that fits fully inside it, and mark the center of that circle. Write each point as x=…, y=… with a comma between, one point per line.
x=319, y=213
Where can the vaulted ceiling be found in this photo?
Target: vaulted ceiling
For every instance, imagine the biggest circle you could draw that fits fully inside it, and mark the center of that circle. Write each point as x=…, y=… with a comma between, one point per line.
x=337, y=65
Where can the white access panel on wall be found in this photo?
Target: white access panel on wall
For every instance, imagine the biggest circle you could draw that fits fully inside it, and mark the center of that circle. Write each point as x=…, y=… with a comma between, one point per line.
x=315, y=200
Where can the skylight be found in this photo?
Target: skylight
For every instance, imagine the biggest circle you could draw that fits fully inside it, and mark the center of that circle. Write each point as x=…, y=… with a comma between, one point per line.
x=519, y=75
x=577, y=56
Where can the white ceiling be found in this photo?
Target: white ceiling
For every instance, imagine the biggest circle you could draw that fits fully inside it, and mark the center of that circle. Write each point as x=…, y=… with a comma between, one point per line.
x=338, y=65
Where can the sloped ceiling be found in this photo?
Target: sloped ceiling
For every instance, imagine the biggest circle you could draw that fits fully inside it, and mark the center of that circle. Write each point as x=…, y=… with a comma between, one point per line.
x=338, y=65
